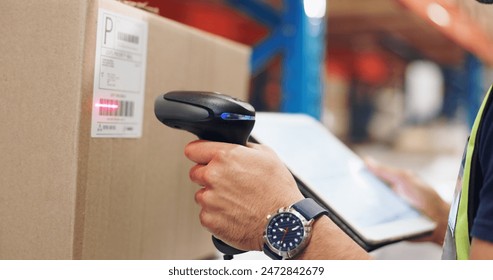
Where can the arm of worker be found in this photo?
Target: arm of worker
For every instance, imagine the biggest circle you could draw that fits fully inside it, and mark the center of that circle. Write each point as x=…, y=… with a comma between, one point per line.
x=241, y=186
x=481, y=250
x=417, y=193
x=329, y=242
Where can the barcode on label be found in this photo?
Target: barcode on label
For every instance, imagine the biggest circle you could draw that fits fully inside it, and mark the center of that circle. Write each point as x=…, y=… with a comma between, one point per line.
x=130, y=38
x=116, y=108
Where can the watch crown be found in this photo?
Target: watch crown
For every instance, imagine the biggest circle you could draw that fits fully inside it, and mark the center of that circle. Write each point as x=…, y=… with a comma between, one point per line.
x=269, y=216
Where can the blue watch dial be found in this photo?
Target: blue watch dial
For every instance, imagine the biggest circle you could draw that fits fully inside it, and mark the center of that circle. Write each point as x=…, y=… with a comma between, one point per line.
x=285, y=231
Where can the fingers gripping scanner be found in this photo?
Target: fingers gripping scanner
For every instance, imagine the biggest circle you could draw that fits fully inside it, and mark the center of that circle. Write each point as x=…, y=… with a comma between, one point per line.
x=211, y=116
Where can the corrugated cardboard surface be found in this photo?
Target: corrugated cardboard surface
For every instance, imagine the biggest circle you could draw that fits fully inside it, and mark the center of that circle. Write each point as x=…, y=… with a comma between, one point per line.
x=39, y=110
x=66, y=195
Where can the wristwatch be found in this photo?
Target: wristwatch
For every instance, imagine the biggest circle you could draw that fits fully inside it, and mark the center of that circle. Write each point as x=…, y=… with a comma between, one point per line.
x=288, y=230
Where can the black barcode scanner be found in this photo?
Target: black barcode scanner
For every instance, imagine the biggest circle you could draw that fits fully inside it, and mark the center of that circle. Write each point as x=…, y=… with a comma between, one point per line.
x=211, y=116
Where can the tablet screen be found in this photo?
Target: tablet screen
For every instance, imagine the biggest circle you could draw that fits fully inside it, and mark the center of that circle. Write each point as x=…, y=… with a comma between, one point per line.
x=331, y=170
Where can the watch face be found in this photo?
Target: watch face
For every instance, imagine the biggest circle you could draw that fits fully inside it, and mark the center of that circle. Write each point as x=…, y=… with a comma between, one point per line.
x=285, y=232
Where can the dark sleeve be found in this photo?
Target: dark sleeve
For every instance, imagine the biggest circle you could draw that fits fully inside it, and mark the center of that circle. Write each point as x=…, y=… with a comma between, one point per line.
x=483, y=223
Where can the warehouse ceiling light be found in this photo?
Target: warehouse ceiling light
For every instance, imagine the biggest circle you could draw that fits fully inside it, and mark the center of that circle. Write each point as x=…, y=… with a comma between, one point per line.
x=315, y=8
x=438, y=14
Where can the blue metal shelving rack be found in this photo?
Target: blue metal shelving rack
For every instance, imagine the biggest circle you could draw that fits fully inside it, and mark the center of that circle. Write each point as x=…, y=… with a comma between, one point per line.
x=301, y=41
x=474, y=86
x=465, y=89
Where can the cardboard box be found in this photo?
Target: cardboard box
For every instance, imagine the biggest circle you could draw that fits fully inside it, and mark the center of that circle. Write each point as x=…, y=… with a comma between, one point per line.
x=67, y=195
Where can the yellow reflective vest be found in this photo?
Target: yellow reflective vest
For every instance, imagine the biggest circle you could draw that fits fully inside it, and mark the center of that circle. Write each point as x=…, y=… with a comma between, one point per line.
x=457, y=239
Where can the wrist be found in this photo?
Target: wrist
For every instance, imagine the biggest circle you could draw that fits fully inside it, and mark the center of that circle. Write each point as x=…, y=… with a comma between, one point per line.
x=441, y=219
x=309, y=252
x=330, y=242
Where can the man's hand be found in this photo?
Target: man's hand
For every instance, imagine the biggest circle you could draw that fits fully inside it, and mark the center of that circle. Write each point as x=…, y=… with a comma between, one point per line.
x=419, y=194
x=240, y=187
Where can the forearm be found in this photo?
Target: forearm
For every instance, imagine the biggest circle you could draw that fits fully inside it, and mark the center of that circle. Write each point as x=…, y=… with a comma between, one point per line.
x=329, y=242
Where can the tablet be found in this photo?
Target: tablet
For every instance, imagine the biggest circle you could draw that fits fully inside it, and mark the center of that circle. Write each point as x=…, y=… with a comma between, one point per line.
x=329, y=172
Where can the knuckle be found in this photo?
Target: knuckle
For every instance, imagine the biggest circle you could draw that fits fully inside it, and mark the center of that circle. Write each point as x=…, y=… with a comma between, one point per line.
x=199, y=197
x=193, y=173
x=206, y=220
x=221, y=156
x=203, y=218
x=209, y=176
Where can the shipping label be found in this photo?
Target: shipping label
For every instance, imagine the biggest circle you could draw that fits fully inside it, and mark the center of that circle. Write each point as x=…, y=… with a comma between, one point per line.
x=119, y=76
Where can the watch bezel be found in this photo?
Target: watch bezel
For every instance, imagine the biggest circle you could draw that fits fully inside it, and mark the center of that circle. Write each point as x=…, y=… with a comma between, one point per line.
x=306, y=233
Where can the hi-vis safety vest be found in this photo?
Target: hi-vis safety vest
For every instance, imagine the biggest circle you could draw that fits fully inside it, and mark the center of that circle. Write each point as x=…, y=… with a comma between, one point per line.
x=457, y=240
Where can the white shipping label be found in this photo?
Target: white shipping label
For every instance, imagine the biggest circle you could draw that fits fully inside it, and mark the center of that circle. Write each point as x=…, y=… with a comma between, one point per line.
x=119, y=76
